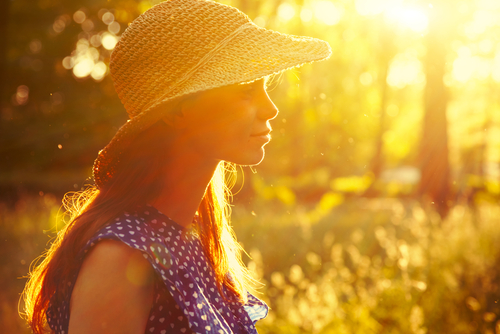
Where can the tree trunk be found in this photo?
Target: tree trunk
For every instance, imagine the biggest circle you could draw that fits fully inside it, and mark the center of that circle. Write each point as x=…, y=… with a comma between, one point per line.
x=386, y=52
x=433, y=158
x=4, y=26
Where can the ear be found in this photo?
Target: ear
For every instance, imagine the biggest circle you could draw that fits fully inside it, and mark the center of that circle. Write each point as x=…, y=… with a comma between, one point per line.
x=171, y=118
x=176, y=116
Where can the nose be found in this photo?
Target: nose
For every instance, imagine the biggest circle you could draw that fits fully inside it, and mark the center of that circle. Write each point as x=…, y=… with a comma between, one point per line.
x=268, y=109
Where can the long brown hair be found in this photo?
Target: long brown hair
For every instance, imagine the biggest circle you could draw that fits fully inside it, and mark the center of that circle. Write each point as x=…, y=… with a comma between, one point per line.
x=135, y=182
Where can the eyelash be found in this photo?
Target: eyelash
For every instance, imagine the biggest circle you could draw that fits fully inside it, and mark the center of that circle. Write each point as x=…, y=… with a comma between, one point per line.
x=249, y=91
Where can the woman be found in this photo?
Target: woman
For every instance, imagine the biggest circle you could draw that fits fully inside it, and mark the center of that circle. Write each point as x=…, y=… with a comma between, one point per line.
x=150, y=249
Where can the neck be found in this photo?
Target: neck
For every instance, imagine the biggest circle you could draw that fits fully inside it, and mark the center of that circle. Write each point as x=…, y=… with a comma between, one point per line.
x=186, y=180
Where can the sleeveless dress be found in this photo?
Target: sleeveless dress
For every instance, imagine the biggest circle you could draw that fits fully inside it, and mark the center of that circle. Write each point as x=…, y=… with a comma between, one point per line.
x=186, y=296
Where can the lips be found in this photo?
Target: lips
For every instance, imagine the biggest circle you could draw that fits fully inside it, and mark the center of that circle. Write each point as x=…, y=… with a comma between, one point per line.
x=262, y=137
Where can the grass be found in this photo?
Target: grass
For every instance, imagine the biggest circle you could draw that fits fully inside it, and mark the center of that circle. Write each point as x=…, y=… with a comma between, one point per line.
x=363, y=266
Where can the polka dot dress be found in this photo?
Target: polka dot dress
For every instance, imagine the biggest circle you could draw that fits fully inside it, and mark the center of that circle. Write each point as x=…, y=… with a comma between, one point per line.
x=187, y=299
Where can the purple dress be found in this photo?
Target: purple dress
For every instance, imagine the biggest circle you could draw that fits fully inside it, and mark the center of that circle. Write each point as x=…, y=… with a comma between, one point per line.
x=186, y=296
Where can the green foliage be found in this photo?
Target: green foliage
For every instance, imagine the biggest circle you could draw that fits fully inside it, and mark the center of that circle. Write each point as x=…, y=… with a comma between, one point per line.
x=361, y=266
x=375, y=266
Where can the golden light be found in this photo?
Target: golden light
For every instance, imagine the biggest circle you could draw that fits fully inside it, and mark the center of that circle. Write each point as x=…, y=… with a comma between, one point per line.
x=79, y=17
x=109, y=41
x=88, y=25
x=395, y=11
x=95, y=40
x=405, y=69
x=143, y=6
x=260, y=21
x=328, y=12
x=370, y=7
x=82, y=45
x=68, y=62
x=108, y=18
x=467, y=66
x=93, y=53
x=59, y=25
x=22, y=94
x=485, y=46
x=286, y=12
x=463, y=69
x=98, y=71
x=306, y=15
x=114, y=27
x=83, y=68
x=35, y=46
x=495, y=71
x=413, y=18
x=366, y=79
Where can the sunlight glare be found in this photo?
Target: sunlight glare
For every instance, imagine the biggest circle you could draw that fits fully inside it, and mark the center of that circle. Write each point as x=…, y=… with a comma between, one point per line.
x=366, y=79
x=306, y=15
x=286, y=12
x=463, y=69
x=327, y=12
x=489, y=4
x=467, y=66
x=405, y=69
x=260, y=21
x=495, y=71
x=413, y=18
x=370, y=7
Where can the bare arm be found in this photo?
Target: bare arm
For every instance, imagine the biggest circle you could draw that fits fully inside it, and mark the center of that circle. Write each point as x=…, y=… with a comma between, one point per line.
x=113, y=292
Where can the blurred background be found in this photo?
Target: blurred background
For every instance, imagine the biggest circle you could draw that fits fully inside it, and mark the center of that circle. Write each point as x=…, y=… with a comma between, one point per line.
x=376, y=208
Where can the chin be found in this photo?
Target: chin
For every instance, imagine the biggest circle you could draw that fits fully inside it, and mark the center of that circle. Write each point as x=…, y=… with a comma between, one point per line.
x=249, y=159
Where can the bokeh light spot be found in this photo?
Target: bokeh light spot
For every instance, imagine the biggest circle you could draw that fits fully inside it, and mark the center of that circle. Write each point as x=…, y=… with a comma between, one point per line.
x=59, y=25
x=405, y=69
x=35, y=46
x=109, y=41
x=68, y=62
x=328, y=12
x=286, y=12
x=260, y=21
x=413, y=18
x=83, y=68
x=95, y=40
x=98, y=71
x=22, y=94
x=88, y=25
x=306, y=15
x=108, y=18
x=369, y=7
x=366, y=79
x=114, y=27
x=79, y=17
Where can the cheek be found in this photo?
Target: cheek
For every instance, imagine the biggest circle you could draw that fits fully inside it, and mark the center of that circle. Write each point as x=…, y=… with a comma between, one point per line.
x=222, y=136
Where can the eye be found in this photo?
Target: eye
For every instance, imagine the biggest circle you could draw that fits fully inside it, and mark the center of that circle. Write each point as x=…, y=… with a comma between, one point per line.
x=249, y=90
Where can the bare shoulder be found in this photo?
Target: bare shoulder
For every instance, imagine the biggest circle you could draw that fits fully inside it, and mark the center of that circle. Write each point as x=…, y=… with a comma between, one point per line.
x=113, y=291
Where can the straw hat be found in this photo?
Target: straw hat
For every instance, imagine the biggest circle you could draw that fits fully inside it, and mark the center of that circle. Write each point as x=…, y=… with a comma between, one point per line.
x=179, y=47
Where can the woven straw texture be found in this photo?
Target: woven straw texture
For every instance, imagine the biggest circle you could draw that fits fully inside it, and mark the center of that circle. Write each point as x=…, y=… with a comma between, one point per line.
x=179, y=47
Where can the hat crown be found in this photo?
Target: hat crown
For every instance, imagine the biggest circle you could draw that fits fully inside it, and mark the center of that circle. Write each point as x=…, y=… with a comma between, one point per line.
x=165, y=43
x=180, y=47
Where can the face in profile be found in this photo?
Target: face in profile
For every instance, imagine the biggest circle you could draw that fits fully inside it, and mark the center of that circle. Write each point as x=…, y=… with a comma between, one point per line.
x=229, y=123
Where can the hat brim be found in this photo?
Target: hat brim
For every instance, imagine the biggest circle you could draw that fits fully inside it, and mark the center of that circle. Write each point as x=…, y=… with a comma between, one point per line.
x=259, y=52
